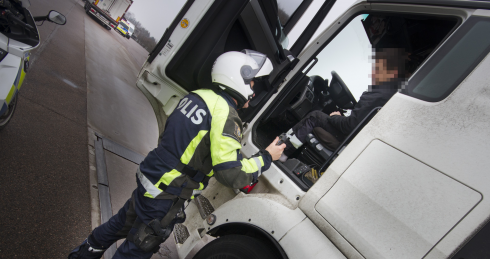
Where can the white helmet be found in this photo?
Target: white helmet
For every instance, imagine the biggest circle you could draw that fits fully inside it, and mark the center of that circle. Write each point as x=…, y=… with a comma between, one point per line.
x=234, y=70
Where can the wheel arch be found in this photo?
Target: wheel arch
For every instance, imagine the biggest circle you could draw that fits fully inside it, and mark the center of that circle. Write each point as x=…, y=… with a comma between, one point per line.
x=239, y=228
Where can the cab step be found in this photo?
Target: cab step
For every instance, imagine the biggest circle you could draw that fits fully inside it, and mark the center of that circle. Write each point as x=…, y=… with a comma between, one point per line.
x=204, y=206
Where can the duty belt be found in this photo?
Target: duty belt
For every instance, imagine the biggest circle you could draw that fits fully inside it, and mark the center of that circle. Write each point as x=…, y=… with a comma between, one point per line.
x=183, y=192
x=196, y=176
x=149, y=237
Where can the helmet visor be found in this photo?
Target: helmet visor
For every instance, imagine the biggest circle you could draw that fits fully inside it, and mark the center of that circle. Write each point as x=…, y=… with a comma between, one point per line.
x=254, y=62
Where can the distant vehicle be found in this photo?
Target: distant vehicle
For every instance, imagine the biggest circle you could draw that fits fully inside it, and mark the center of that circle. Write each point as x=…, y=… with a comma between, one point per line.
x=109, y=12
x=125, y=28
x=131, y=30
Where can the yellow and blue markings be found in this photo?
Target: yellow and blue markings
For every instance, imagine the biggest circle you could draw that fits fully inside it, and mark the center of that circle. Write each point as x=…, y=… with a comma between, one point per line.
x=16, y=86
x=123, y=30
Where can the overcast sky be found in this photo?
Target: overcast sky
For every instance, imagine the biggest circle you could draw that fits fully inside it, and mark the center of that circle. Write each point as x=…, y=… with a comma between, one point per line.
x=156, y=15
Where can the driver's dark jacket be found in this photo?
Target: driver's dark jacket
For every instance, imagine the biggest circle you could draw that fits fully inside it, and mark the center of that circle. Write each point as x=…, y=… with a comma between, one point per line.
x=377, y=96
x=204, y=133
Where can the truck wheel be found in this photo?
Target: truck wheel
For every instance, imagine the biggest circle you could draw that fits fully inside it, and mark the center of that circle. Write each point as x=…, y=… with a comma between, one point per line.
x=5, y=118
x=235, y=247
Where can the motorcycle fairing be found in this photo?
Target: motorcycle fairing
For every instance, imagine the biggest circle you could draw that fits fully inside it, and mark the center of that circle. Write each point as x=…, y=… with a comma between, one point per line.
x=12, y=73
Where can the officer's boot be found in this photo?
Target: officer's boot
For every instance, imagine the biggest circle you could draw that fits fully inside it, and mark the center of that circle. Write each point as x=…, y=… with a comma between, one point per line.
x=89, y=249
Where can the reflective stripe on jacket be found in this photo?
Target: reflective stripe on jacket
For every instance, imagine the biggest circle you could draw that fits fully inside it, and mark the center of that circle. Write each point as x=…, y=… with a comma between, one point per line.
x=204, y=132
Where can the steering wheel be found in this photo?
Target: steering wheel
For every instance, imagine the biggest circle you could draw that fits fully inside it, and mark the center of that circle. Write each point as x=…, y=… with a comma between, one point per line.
x=341, y=93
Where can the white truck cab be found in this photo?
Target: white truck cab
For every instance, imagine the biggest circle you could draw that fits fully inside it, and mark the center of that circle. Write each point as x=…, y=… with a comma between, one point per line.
x=409, y=182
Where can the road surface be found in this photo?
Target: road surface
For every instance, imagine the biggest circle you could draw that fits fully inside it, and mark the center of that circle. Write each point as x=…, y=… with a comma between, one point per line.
x=81, y=82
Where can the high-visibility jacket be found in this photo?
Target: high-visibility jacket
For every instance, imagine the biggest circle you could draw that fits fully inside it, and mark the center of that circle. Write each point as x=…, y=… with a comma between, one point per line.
x=202, y=138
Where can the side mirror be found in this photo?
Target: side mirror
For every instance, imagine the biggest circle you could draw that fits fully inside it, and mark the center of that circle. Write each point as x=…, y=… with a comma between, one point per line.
x=56, y=17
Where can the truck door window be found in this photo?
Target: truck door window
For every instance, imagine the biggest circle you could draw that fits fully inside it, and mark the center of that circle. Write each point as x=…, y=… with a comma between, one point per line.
x=402, y=41
x=348, y=54
x=351, y=52
x=453, y=62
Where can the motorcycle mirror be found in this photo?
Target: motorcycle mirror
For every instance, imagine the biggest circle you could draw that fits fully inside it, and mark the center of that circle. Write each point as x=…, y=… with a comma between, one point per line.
x=56, y=17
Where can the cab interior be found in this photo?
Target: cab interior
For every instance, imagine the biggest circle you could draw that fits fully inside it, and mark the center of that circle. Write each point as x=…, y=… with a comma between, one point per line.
x=329, y=84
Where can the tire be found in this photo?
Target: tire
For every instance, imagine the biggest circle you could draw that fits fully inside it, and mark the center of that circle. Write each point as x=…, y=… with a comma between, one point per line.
x=5, y=118
x=235, y=247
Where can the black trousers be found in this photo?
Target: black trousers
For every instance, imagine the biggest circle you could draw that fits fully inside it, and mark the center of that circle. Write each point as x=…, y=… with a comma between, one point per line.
x=316, y=122
x=138, y=209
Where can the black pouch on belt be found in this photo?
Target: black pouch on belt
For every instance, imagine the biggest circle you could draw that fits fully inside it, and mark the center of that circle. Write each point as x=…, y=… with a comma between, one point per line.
x=148, y=238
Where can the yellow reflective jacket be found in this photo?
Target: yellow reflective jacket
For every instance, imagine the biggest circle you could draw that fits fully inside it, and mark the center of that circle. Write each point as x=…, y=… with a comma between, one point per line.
x=202, y=138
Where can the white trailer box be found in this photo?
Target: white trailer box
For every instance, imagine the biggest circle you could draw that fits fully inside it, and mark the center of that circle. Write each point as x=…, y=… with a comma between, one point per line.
x=108, y=12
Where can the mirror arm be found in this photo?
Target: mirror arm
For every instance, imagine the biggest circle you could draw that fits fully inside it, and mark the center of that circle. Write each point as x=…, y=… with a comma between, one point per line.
x=40, y=18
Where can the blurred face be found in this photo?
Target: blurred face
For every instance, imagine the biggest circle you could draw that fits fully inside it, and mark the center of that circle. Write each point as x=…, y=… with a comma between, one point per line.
x=381, y=73
x=251, y=86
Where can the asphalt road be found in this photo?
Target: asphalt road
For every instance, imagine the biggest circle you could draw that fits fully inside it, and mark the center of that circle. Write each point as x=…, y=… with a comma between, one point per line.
x=81, y=80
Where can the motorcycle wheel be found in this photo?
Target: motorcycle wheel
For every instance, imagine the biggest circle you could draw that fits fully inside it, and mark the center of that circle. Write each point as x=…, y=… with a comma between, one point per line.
x=5, y=118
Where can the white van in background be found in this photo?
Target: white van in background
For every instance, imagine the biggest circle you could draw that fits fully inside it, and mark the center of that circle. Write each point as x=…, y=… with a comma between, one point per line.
x=130, y=30
x=125, y=28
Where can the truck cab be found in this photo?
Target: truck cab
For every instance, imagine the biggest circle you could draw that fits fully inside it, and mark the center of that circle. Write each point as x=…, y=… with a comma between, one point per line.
x=408, y=182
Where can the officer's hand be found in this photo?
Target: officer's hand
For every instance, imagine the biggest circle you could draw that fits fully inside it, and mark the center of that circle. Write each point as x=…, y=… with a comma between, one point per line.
x=274, y=150
x=335, y=113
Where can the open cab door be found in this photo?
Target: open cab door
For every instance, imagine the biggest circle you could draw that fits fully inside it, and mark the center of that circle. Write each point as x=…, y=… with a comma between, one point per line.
x=204, y=29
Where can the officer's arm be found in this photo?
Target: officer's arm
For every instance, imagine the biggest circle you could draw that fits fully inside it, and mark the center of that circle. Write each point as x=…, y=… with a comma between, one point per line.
x=229, y=167
x=242, y=172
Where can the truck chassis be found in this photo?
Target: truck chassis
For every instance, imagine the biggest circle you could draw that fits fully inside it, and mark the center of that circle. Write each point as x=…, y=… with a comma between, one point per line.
x=100, y=15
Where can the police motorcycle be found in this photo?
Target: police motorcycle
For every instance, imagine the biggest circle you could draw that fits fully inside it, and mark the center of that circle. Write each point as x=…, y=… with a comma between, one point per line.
x=18, y=36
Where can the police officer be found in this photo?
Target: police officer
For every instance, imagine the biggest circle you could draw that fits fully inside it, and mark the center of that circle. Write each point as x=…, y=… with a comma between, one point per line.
x=202, y=138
